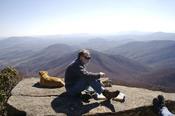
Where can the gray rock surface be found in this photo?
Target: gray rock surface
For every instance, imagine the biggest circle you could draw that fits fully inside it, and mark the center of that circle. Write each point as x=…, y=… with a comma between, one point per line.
x=28, y=98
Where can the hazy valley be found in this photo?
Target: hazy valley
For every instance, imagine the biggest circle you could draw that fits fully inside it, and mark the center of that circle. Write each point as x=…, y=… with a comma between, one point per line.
x=146, y=60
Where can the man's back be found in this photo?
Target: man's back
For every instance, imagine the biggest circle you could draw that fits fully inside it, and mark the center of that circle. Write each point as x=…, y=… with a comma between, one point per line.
x=71, y=73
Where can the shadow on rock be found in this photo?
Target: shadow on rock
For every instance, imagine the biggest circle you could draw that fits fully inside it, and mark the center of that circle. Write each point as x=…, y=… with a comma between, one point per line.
x=12, y=111
x=74, y=105
x=37, y=85
x=107, y=103
x=140, y=111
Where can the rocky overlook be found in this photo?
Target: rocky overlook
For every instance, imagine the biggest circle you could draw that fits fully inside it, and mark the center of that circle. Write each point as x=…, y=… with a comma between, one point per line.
x=28, y=98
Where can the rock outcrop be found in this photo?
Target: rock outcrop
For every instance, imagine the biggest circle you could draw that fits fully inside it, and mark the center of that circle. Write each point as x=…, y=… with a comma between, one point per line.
x=28, y=98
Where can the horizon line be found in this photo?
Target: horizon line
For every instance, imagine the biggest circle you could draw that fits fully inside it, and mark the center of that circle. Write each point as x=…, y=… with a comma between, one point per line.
x=91, y=34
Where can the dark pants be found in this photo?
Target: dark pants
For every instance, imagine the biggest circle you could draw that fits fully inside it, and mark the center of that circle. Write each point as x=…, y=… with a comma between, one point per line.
x=83, y=84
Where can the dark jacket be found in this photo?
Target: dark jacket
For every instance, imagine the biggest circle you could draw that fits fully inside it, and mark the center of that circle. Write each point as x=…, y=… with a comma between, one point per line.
x=76, y=71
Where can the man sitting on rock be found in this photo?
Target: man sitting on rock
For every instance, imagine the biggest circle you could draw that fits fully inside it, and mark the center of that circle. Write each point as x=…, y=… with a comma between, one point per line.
x=78, y=79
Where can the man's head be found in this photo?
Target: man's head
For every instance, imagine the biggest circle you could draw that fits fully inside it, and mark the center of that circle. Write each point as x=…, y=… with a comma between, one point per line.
x=84, y=56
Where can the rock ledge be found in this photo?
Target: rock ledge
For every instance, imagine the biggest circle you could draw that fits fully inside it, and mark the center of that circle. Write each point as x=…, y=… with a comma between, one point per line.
x=31, y=100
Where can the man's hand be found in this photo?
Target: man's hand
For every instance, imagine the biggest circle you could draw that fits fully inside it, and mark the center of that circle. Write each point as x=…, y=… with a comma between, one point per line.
x=102, y=75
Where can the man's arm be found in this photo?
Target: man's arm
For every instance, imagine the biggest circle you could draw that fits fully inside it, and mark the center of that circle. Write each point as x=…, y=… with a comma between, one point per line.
x=85, y=74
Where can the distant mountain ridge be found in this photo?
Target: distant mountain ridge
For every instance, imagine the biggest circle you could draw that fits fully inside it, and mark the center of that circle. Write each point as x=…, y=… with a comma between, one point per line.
x=100, y=62
x=135, y=63
x=153, y=53
x=39, y=59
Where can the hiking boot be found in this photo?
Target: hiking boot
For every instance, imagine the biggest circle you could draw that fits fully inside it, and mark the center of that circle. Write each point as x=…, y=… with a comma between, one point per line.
x=110, y=94
x=156, y=106
x=161, y=100
x=85, y=98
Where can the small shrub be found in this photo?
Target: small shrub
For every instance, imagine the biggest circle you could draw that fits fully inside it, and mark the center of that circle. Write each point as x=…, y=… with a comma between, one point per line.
x=9, y=77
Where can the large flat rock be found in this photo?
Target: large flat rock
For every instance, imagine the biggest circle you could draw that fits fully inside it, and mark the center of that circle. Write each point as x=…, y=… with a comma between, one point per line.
x=32, y=100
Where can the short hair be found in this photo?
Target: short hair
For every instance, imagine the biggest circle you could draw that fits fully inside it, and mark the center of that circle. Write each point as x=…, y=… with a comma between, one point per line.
x=82, y=52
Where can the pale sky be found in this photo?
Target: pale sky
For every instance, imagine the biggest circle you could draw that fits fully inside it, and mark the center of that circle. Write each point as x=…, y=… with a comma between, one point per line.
x=48, y=17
